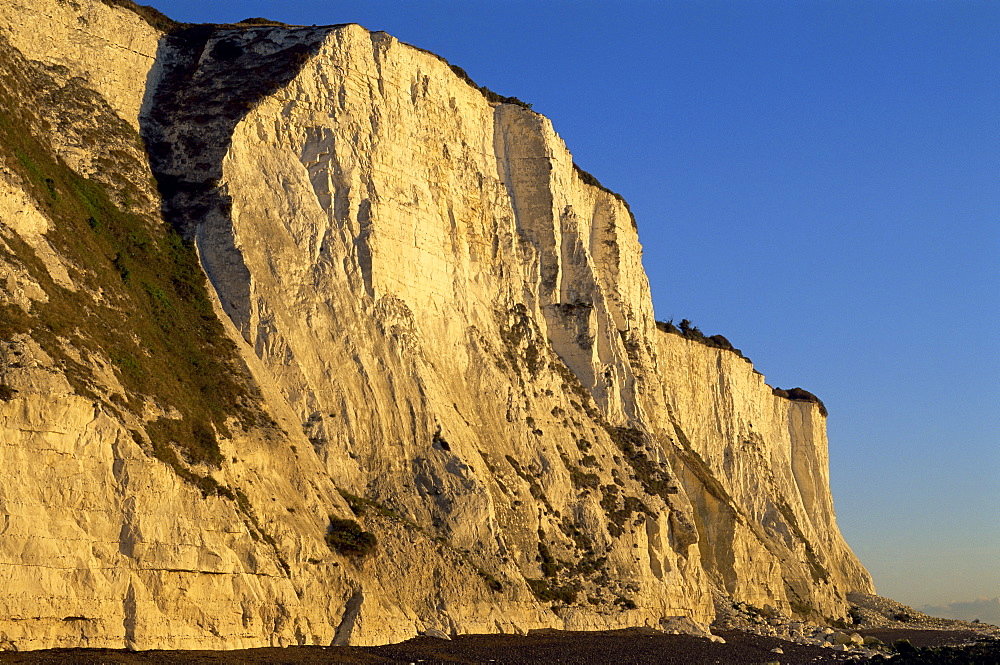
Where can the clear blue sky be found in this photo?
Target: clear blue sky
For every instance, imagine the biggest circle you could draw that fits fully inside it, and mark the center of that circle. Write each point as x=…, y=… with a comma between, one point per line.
x=819, y=182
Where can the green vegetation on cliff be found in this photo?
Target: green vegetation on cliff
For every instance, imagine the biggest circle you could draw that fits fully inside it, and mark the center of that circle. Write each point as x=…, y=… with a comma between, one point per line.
x=140, y=309
x=688, y=330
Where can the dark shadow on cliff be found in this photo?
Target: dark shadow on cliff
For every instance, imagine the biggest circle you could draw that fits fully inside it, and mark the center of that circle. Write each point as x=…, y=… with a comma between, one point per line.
x=207, y=79
x=211, y=77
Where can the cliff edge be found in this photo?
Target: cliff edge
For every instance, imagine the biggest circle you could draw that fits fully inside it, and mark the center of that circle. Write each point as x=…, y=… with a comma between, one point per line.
x=307, y=339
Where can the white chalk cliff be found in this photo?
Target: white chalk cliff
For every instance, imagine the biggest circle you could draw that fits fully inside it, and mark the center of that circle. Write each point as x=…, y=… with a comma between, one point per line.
x=443, y=331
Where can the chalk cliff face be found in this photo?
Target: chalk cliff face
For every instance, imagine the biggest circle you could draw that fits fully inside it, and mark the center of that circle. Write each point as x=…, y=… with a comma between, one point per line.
x=419, y=315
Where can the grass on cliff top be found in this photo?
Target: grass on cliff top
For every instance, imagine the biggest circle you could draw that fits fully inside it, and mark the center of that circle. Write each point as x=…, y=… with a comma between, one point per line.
x=154, y=17
x=157, y=19
x=491, y=97
x=142, y=305
x=589, y=179
x=801, y=395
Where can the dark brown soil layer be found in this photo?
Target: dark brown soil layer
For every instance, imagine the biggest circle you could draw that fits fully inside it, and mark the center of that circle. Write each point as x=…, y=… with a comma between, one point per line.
x=590, y=648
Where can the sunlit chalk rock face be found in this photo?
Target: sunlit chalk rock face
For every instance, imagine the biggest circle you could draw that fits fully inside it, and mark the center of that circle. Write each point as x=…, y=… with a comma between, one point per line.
x=392, y=178
x=449, y=334
x=109, y=47
x=423, y=267
x=756, y=469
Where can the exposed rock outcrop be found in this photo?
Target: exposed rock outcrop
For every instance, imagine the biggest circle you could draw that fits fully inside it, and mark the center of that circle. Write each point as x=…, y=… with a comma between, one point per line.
x=419, y=315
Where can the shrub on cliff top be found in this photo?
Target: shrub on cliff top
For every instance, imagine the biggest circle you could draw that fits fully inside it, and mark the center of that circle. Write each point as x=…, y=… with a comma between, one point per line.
x=258, y=20
x=800, y=395
x=153, y=17
x=688, y=330
x=492, y=97
x=589, y=179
